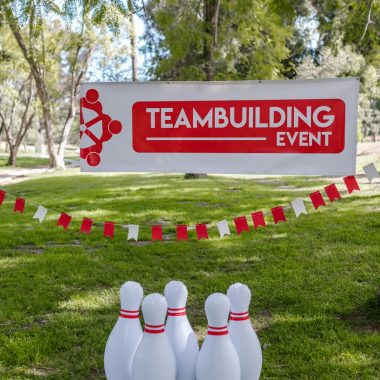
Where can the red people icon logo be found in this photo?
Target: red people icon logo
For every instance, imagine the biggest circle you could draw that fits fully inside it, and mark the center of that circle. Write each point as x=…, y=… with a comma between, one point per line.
x=96, y=127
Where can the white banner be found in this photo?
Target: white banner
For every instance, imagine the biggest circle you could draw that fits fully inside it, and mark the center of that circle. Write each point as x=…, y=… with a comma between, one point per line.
x=253, y=127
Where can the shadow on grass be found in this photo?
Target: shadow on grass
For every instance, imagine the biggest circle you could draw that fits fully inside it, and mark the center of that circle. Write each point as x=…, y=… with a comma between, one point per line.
x=365, y=317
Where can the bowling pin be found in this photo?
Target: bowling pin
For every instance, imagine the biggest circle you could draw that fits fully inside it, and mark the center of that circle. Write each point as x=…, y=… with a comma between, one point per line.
x=242, y=333
x=126, y=334
x=154, y=358
x=218, y=359
x=180, y=334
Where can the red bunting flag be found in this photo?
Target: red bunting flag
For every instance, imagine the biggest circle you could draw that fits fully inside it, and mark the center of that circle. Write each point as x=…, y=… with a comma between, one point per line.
x=351, y=183
x=182, y=232
x=157, y=232
x=2, y=196
x=317, y=199
x=64, y=220
x=201, y=231
x=241, y=224
x=332, y=192
x=278, y=214
x=258, y=219
x=86, y=226
x=109, y=229
x=19, y=205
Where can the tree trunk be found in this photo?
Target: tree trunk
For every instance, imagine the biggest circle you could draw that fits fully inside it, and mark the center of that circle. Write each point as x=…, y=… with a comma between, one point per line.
x=132, y=38
x=74, y=99
x=65, y=134
x=40, y=144
x=41, y=90
x=13, y=149
x=211, y=16
x=1, y=132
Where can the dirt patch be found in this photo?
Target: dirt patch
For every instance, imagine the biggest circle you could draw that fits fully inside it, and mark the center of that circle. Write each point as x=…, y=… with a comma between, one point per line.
x=141, y=243
x=368, y=148
x=163, y=222
x=40, y=371
x=30, y=249
x=14, y=175
x=74, y=243
x=263, y=320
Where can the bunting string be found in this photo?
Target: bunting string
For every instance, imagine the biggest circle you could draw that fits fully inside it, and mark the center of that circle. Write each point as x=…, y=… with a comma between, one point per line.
x=241, y=223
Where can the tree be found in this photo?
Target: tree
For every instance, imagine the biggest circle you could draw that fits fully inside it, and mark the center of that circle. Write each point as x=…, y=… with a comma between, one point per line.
x=355, y=22
x=349, y=45
x=31, y=42
x=33, y=46
x=111, y=56
x=17, y=95
x=209, y=39
x=16, y=127
x=342, y=61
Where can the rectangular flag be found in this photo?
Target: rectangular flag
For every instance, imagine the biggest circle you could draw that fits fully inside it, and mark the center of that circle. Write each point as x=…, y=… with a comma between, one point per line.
x=269, y=127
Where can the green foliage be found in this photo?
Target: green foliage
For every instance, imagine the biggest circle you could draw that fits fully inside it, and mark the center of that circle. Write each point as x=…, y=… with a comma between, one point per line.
x=251, y=39
x=349, y=19
x=314, y=279
x=101, y=12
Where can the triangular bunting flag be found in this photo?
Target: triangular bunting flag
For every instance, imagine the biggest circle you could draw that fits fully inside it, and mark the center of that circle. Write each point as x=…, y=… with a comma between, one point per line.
x=133, y=232
x=223, y=228
x=278, y=214
x=258, y=219
x=241, y=224
x=317, y=199
x=332, y=192
x=201, y=231
x=299, y=207
x=40, y=213
x=182, y=232
x=351, y=183
x=2, y=196
x=85, y=228
x=109, y=229
x=64, y=220
x=19, y=205
x=157, y=232
x=371, y=172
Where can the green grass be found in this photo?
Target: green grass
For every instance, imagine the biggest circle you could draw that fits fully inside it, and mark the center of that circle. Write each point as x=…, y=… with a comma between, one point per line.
x=314, y=280
x=25, y=161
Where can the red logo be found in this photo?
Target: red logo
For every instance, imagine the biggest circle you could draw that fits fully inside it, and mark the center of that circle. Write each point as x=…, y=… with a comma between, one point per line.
x=96, y=127
x=239, y=126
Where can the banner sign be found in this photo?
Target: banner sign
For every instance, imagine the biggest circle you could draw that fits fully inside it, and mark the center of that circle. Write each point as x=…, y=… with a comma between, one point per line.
x=269, y=127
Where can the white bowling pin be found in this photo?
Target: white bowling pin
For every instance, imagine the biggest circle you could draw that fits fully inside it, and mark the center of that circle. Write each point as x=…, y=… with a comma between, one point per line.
x=126, y=334
x=154, y=358
x=242, y=333
x=218, y=359
x=180, y=333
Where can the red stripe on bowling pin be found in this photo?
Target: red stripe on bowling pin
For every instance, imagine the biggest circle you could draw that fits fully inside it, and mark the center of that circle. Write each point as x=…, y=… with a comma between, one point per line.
x=129, y=314
x=217, y=330
x=239, y=316
x=176, y=312
x=154, y=329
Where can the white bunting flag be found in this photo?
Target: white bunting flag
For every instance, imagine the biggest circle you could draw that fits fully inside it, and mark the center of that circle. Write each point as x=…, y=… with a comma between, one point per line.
x=371, y=172
x=40, y=213
x=133, y=231
x=299, y=207
x=223, y=228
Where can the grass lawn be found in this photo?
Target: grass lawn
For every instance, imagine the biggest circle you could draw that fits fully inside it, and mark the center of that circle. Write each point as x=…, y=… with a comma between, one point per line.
x=315, y=280
x=25, y=161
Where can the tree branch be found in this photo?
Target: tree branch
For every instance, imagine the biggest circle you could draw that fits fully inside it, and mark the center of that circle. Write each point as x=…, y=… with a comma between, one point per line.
x=368, y=22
